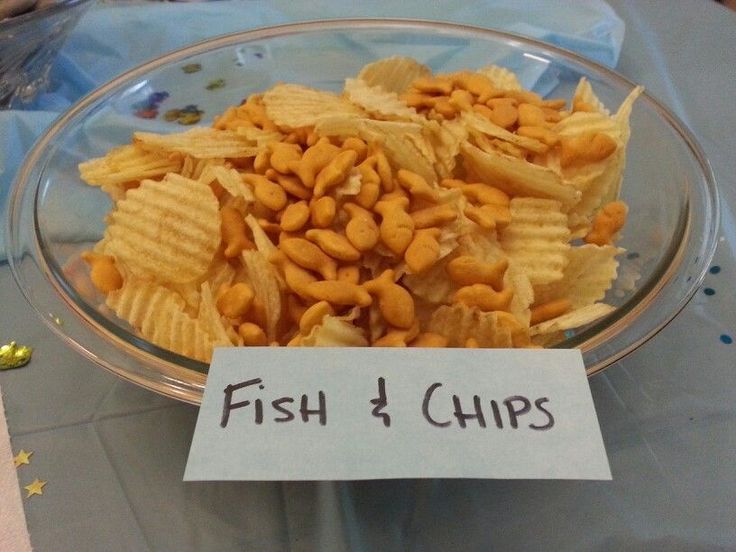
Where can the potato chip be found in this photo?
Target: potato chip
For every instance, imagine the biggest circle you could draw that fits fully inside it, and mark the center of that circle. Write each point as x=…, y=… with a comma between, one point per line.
x=478, y=123
x=210, y=319
x=229, y=179
x=158, y=313
x=584, y=93
x=294, y=106
x=393, y=74
x=263, y=243
x=501, y=77
x=266, y=285
x=259, y=136
x=573, y=319
x=433, y=285
x=537, y=239
x=587, y=277
x=516, y=278
x=200, y=143
x=624, y=112
x=445, y=138
x=166, y=231
x=517, y=177
x=128, y=164
x=458, y=323
x=336, y=331
x=377, y=102
x=582, y=122
x=404, y=145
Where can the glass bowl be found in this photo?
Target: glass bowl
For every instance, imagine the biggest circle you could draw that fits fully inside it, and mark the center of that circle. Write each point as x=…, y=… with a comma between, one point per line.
x=670, y=236
x=29, y=43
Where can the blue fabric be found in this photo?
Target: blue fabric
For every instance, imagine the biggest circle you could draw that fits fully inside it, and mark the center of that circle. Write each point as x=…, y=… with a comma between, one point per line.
x=113, y=38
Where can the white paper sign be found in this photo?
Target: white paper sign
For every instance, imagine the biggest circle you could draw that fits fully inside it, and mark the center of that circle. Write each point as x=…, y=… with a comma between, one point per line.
x=337, y=414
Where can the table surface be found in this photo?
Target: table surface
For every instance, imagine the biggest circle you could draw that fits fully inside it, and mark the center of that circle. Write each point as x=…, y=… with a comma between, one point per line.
x=114, y=454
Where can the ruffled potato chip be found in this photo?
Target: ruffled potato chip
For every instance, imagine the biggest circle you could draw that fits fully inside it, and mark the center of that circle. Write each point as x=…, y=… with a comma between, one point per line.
x=378, y=102
x=126, y=164
x=574, y=319
x=201, y=143
x=518, y=177
x=335, y=331
x=266, y=285
x=158, y=313
x=166, y=231
x=294, y=106
x=537, y=239
x=501, y=77
x=458, y=323
x=393, y=74
x=586, y=278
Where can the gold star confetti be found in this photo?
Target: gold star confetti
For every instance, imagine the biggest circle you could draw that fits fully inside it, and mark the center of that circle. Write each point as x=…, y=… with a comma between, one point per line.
x=13, y=355
x=35, y=488
x=22, y=457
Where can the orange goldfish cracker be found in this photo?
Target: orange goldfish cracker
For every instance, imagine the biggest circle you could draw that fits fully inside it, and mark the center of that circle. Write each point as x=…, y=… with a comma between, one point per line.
x=315, y=158
x=586, y=148
x=437, y=215
x=314, y=315
x=467, y=270
x=394, y=301
x=322, y=211
x=339, y=293
x=297, y=278
x=397, y=226
x=104, y=275
x=268, y=193
x=417, y=186
x=544, y=135
x=484, y=297
x=309, y=256
x=335, y=245
x=473, y=82
x=295, y=216
x=488, y=216
x=433, y=85
x=531, y=115
x=423, y=251
x=283, y=154
x=361, y=230
x=291, y=184
x=261, y=162
x=358, y=146
x=233, y=230
x=236, y=301
x=335, y=173
x=349, y=273
x=383, y=168
x=252, y=334
x=396, y=337
x=485, y=194
x=607, y=222
x=550, y=310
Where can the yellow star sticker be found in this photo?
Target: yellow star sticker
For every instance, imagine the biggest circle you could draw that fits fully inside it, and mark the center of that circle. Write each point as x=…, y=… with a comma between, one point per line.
x=35, y=488
x=22, y=457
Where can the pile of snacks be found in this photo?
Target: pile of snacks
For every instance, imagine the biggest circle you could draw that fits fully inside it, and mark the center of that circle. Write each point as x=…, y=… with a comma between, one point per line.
x=412, y=209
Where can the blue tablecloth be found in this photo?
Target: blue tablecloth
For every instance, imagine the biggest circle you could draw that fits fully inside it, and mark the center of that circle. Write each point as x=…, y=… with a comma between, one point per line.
x=114, y=454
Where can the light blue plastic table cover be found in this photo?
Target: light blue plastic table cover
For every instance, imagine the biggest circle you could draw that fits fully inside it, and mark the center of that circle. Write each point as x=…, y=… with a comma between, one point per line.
x=114, y=454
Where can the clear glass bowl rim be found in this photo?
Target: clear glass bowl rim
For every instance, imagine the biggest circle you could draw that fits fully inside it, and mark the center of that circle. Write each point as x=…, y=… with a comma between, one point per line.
x=188, y=391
